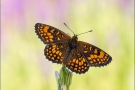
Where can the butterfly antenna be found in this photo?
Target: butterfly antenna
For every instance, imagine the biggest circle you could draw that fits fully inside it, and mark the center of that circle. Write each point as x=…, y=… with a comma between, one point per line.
x=68, y=28
x=85, y=32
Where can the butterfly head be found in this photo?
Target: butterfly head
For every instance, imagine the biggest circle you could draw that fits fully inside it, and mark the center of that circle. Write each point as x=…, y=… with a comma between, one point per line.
x=75, y=37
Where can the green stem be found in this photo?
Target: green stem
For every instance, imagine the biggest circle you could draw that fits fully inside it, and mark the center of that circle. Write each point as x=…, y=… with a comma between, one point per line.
x=63, y=78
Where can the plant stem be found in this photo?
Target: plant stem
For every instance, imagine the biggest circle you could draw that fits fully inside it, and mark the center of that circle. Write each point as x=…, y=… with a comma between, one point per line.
x=64, y=78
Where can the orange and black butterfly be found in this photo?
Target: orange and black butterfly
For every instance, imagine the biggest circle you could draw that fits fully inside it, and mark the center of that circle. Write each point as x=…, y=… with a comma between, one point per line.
x=76, y=55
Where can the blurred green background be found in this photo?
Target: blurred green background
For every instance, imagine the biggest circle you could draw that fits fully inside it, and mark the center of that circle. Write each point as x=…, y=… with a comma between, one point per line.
x=23, y=64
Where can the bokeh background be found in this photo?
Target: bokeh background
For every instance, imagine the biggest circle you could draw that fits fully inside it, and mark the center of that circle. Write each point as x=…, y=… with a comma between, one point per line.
x=23, y=64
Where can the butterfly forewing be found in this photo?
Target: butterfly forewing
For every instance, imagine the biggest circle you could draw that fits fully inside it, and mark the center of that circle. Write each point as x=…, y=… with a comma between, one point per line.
x=49, y=34
x=95, y=56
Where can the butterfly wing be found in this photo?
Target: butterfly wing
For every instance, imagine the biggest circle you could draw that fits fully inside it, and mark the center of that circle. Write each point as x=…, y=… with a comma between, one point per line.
x=56, y=52
x=95, y=56
x=76, y=62
x=49, y=34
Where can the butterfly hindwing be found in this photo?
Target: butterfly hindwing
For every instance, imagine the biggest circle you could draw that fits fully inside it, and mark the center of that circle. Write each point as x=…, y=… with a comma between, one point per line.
x=77, y=62
x=56, y=52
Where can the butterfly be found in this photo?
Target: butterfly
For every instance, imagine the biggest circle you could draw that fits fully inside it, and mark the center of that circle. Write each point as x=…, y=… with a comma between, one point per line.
x=77, y=56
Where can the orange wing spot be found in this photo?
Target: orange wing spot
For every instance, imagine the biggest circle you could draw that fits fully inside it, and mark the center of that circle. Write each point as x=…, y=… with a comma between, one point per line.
x=80, y=63
x=68, y=64
x=107, y=59
x=44, y=34
x=73, y=60
x=41, y=35
x=52, y=31
x=82, y=66
x=75, y=69
x=80, y=59
x=101, y=54
x=91, y=61
x=71, y=67
x=62, y=35
x=102, y=60
x=89, y=58
x=95, y=51
x=84, y=46
x=90, y=48
x=51, y=40
x=47, y=40
x=51, y=54
x=46, y=37
x=41, y=31
x=60, y=54
x=54, y=55
x=47, y=54
x=85, y=68
x=57, y=52
x=58, y=38
x=53, y=51
x=99, y=62
x=76, y=61
x=57, y=33
x=61, y=60
x=94, y=60
x=85, y=51
x=82, y=70
x=95, y=56
x=47, y=50
x=79, y=67
x=46, y=28
x=76, y=65
x=54, y=46
x=49, y=34
x=83, y=60
x=85, y=65
x=52, y=58
x=50, y=48
x=58, y=57
x=72, y=64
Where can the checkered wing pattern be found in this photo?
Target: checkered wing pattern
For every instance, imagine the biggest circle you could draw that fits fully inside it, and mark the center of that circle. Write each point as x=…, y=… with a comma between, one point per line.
x=56, y=52
x=76, y=62
x=76, y=55
x=95, y=56
x=49, y=34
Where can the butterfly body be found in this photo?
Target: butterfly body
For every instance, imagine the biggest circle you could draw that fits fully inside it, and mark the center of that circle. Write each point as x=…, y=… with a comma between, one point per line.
x=73, y=42
x=76, y=55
